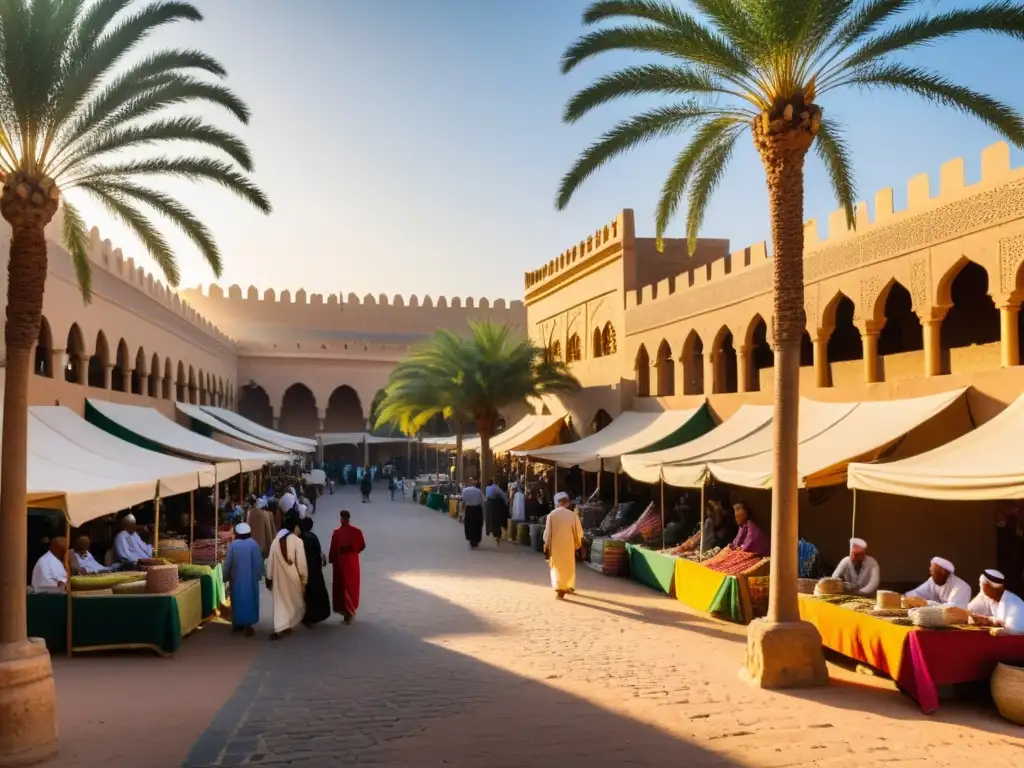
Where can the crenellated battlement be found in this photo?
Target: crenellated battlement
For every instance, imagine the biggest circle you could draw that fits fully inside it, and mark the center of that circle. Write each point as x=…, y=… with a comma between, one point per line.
x=603, y=239
x=214, y=292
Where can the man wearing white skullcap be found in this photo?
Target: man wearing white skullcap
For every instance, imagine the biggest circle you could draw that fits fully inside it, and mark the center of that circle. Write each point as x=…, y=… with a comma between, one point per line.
x=943, y=587
x=563, y=536
x=243, y=570
x=287, y=501
x=129, y=547
x=859, y=568
x=996, y=606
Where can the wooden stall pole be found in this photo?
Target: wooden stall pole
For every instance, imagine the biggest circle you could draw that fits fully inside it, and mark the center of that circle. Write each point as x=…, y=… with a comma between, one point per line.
x=853, y=521
x=241, y=487
x=156, y=526
x=216, y=522
x=615, y=500
x=68, y=632
x=600, y=470
x=662, y=512
x=191, y=524
x=700, y=532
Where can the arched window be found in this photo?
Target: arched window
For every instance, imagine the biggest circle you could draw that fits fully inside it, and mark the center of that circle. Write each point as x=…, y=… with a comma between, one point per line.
x=298, y=411
x=556, y=350
x=574, y=349
x=121, y=368
x=597, y=343
x=139, y=374
x=666, y=371
x=643, y=373
x=98, y=362
x=725, y=363
x=845, y=343
x=973, y=318
x=761, y=355
x=44, y=351
x=608, y=344
x=344, y=411
x=254, y=404
x=600, y=421
x=75, y=347
x=693, y=365
x=902, y=330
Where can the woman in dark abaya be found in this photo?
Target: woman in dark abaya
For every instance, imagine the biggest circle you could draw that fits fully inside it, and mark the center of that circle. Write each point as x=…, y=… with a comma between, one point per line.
x=497, y=512
x=318, y=602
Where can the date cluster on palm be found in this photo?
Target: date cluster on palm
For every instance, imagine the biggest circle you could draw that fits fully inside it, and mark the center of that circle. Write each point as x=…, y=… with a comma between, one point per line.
x=787, y=125
x=29, y=201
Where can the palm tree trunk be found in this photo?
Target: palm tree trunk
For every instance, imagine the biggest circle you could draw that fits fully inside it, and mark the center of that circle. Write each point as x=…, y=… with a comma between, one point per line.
x=458, y=450
x=485, y=429
x=26, y=281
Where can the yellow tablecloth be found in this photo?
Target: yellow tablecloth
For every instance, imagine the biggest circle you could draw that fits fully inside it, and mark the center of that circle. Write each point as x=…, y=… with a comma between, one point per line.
x=189, y=598
x=868, y=639
x=696, y=585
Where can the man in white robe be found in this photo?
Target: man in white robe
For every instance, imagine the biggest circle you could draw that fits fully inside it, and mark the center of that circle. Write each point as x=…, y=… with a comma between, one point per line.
x=518, y=504
x=287, y=573
x=859, y=569
x=995, y=606
x=943, y=587
x=49, y=573
x=128, y=545
x=563, y=536
x=82, y=560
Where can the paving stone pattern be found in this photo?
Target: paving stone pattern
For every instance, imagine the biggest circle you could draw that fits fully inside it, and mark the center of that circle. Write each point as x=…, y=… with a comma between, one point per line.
x=464, y=658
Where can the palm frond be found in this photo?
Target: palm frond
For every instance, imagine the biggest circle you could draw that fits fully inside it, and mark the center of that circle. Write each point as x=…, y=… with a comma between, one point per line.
x=641, y=81
x=141, y=226
x=1002, y=117
x=628, y=135
x=682, y=169
x=831, y=147
x=735, y=23
x=75, y=238
x=707, y=176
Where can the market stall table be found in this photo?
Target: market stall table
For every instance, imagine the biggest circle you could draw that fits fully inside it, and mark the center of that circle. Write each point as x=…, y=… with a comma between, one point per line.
x=655, y=569
x=919, y=660
x=117, y=622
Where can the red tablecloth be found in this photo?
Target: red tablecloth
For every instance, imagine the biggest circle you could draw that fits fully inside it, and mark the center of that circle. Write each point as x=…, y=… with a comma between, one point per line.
x=945, y=657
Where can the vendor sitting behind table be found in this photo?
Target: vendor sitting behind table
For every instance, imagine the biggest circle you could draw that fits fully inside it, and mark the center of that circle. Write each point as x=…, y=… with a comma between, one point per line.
x=82, y=560
x=714, y=533
x=750, y=538
x=128, y=545
x=943, y=586
x=49, y=574
x=996, y=606
x=859, y=569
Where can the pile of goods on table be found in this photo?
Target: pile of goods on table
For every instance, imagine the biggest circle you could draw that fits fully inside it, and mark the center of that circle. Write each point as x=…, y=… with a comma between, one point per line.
x=608, y=556
x=173, y=548
x=736, y=562
x=646, y=529
x=592, y=513
x=893, y=607
x=203, y=549
x=616, y=519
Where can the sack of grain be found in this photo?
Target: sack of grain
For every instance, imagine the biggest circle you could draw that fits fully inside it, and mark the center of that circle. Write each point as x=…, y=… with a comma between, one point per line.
x=829, y=586
x=938, y=616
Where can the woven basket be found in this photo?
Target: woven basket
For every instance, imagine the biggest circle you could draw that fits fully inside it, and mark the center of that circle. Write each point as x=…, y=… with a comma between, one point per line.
x=161, y=579
x=829, y=586
x=937, y=616
x=806, y=586
x=885, y=600
x=1008, y=692
x=131, y=588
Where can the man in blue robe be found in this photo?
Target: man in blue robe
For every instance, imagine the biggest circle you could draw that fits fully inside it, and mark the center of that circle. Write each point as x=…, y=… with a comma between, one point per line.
x=243, y=570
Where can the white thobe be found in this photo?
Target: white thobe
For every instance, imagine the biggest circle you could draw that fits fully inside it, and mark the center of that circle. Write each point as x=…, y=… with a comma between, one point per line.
x=49, y=573
x=519, y=506
x=955, y=591
x=289, y=576
x=866, y=580
x=563, y=535
x=87, y=563
x=982, y=605
x=130, y=548
x=1009, y=612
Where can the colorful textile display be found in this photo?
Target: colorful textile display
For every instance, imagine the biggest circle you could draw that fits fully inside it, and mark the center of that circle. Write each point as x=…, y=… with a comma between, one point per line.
x=608, y=556
x=736, y=562
x=655, y=569
x=920, y=660
x=646, y=528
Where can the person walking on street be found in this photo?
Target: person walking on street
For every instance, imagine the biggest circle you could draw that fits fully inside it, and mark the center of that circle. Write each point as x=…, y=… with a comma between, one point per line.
x=473, y=518
x=366, y=485
x=261, y=525
x=346, y=543
x=243, y=571
x=563, y=536
x=497, y=511
x=318, y=604
x=287, y=573
x=392, y=486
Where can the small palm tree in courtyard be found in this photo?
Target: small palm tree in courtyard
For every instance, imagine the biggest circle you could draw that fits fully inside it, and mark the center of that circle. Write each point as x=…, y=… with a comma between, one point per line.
x=767, y=67
x=473, y=379
x=73, y=116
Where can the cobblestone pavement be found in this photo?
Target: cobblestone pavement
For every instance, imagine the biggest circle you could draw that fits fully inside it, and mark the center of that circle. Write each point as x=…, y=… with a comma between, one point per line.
x=463, y=657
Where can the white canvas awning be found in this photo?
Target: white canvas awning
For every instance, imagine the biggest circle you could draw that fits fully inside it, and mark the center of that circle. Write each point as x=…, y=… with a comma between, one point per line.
x=986, y=464
x=631, y=431
x=153, y=427
x=197, y=413
x=287, y=442
x=824, y=453
x=358, y=438
x=77, y=476
x=538, y=432
x=749, y=419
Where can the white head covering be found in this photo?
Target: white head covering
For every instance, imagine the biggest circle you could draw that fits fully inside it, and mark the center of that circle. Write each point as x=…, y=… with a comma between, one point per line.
x=993, y=578
x=858, y=544
x=302, y=511
x=129, y=518
x=560, y=497
x=261, y=503
x=944, y=564
x=242, y=529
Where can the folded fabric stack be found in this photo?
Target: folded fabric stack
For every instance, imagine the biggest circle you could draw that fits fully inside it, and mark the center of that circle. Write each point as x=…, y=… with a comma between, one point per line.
x=207, y=550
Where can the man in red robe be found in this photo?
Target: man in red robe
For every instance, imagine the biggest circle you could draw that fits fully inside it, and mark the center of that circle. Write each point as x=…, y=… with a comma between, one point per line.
x=346, y=544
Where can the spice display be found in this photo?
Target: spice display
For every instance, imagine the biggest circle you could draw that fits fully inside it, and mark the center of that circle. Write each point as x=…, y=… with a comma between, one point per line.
x=735, y=562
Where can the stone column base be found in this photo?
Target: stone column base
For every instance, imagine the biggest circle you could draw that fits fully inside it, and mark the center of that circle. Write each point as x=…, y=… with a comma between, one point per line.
x=28, y=706
x=784, y=655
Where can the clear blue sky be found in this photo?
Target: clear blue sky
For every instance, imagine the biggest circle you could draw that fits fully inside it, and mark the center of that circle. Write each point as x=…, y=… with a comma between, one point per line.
x=414, y=146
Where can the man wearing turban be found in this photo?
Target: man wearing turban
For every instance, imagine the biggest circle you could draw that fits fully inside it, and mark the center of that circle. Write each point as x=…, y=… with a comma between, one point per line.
x=943, y=587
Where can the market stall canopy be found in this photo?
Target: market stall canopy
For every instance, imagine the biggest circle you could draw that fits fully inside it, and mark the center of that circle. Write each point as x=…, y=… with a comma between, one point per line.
x=69, y=468
x=208, y=424
x=815, y=418
x=151, y=429
x=830, y=444
x=287, y=442
x=449, y=441
x=749, y=419
x=541, y=431
x=358, y=438
x=986, y=464
x=632, y=431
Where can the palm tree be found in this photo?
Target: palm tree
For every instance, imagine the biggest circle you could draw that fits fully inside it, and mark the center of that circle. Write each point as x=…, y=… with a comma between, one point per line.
x=765, y=66
x=72, y=114
x=474, y=379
